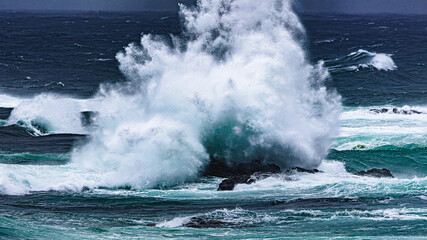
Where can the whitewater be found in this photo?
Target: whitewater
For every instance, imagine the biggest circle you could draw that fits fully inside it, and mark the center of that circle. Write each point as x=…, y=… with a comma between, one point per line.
x=108, y=135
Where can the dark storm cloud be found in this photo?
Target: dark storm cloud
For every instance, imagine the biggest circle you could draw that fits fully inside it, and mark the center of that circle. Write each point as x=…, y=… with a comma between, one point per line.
x=341, y=6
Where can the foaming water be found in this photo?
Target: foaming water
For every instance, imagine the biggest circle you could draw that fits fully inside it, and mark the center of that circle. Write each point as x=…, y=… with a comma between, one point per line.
x=48, y=113
x=363, y=129
x=240, y=89
x=362, y=59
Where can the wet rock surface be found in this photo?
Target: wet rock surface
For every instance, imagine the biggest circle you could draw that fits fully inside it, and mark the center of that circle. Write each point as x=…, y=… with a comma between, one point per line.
x=220, y=168
x=375, y=172
x=303, y=170
x=229, y=183
x=394, y=110
x=197, y=222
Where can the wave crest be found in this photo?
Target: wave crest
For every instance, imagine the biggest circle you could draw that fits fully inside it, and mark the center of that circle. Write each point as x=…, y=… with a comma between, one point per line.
x=362, y=59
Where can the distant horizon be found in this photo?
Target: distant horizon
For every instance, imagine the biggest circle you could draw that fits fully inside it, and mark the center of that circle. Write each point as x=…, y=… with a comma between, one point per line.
x=176, y=11
x=349, y=7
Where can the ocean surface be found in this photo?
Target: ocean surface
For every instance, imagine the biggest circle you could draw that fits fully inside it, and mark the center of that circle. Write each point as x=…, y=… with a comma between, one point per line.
x=108, y=119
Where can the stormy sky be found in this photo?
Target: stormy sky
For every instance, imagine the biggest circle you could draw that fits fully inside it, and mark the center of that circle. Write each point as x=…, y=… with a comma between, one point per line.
x=340, y=6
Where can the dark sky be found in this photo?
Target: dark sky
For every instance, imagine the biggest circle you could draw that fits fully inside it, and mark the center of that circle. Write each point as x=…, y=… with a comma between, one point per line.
x=342, y=6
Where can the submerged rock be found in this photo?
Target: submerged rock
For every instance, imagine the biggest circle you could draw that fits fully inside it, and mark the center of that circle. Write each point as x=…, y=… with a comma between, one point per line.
x=197, y=222
x=375, y=172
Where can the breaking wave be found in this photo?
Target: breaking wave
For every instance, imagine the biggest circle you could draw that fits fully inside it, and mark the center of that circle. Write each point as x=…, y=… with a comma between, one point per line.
x=361, y=59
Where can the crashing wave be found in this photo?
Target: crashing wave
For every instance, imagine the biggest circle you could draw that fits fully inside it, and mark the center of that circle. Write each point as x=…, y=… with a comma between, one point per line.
x=361, y=59
x=238, y=87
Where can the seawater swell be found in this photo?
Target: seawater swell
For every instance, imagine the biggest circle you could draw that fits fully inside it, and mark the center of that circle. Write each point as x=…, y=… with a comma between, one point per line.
x=361, y=59
x=383, y=136
x=381, y=128
x=240, y=89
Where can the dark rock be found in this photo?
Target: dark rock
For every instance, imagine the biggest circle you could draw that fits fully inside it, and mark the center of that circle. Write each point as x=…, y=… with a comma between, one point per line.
x=302, y=170
x=229, y=183
x=379, y=110
x=220, y=168
x=197, y=222
x=375, y=172
x=394, y=110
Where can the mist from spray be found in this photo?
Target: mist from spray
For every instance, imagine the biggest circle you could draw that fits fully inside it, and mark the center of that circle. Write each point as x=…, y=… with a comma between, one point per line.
x=238, y=87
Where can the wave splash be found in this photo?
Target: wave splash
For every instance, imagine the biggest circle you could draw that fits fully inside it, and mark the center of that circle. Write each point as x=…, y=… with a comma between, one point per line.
x=237, y=86
x=362, y=59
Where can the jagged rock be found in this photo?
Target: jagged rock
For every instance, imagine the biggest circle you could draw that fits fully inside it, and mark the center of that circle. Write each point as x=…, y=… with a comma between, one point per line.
x=375, y=172
x=381, y=110
x=303, y=170
x=229, y=183
x=416, y=112
x=219, y=168
x=197, y=222
x=395, y=110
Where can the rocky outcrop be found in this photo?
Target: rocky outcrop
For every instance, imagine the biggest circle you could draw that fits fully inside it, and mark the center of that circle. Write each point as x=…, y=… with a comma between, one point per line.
x=197, y=222
x=220, y=168
x=375, y=172
x=394, y=110
x=229, y=183
x=303, y=170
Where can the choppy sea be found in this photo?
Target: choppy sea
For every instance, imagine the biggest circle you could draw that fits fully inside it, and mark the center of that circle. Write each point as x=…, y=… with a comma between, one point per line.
x=102, y=139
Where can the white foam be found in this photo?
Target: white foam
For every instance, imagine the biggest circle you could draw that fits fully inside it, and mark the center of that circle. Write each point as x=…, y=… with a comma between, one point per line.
x=382, y=61
x=363, y=59
x=58, y=113
x=174, y=223
x=335, y=181
x=7, y=101
x=363, y=128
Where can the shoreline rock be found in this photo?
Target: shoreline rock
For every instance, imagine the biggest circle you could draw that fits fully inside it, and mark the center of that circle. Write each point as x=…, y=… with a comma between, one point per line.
x=229, y=183
x=394, y=110
x=375, y=172
x=220, y=168
x=198, y=222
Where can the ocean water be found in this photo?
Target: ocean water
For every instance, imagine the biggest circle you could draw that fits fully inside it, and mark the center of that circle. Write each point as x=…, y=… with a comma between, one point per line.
x=107, y=121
